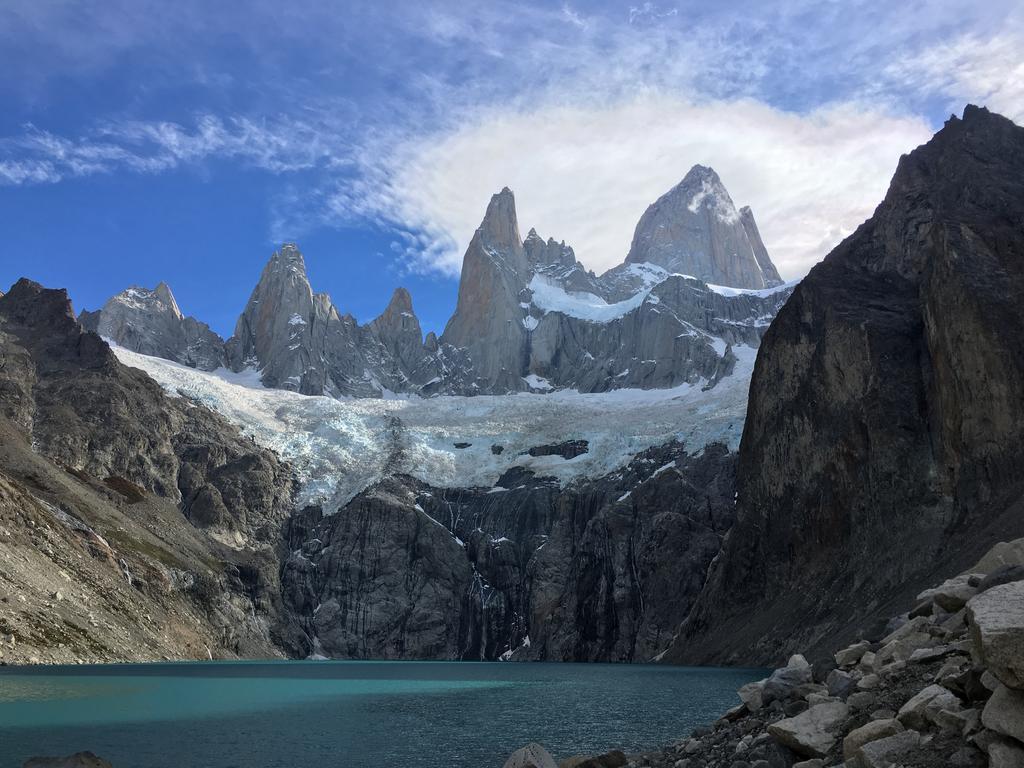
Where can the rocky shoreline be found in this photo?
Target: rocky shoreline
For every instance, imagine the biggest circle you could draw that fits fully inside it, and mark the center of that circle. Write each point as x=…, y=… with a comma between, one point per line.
x=944, y=686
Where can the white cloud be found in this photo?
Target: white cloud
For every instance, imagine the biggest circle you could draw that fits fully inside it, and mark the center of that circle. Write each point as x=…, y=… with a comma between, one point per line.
x=38, y=156
x=988, y=71
x=587, y=116
x=586, y=174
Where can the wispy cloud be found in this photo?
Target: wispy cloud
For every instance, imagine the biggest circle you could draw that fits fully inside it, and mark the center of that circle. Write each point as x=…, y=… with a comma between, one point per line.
x=39, y=156
x=586, y=174
x=970, y=68
x=411, y=114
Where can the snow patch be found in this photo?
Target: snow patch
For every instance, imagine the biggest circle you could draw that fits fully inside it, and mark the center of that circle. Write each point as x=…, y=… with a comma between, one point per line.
x=715, y=197
x=548, y=296
x=724, y=290
x=537, y=382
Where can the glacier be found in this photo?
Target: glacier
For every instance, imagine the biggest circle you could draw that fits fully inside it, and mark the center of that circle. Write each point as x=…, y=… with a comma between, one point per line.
x=340, y=446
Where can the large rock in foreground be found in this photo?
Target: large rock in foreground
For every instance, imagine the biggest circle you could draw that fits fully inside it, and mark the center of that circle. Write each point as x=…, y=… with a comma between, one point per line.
x=997, y=627
x=530, y=756
x=814, y=732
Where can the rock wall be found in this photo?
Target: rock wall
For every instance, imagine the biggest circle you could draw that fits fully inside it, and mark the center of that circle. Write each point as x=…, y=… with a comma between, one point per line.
x=602, y=570
x=176, y=513
x=885, y=431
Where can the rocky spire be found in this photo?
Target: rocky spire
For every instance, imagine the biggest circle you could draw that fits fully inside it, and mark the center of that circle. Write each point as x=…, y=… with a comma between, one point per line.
x=273, y=333
x=695, y=229
x=487, y=323
x=398, y=329
x=162, y=293
x=768, y=270
x=150, y=322
x=299, y=340
x=500, y=227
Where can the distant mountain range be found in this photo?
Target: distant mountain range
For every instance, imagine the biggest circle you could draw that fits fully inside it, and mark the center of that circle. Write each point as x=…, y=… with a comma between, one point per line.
x=529, y=316
x=188, y=499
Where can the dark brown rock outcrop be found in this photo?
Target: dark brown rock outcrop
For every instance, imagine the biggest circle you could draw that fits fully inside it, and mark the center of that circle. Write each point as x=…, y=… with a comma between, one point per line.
x=884, y=441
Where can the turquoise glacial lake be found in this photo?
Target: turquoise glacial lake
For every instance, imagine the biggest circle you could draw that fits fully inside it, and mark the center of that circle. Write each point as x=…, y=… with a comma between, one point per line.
x=350, y=714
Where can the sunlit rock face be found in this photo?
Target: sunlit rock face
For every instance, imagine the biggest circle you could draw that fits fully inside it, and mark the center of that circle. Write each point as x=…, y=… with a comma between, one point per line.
x=695, y=229
x=149, y=321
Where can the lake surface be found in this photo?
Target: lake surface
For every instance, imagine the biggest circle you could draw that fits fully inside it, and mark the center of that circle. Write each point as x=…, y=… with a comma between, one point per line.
x=351, y=714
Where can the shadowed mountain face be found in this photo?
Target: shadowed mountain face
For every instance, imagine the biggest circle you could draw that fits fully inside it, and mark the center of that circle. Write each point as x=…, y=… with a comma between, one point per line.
x=601, y=570
x=155, y=518
x=695, y=229
x=884, y=440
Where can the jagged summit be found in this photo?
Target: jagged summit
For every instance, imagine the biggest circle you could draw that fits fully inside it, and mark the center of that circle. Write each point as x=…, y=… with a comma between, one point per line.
x=695, y=229
x=500, y=226
x=163, y=294
x=299, y=339
x=401, y=301
x=149, y=321
x=529, y=317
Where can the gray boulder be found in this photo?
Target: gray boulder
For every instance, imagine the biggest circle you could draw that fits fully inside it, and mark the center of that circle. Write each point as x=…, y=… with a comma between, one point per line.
x=1002, y=554
x=886, y=752
x=1005, y=753
x=787, y=681
x=812, y=733
x=531, y=756
x=752, y=694
x=871, y=731
x=1004, y=713
x=952, y=594
x=922, y=708
x=1004, y=574
x=840, y=684
x=996, y=620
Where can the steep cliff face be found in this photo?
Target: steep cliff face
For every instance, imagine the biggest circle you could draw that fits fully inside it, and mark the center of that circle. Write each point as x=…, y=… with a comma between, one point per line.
x=694, y=229
x=177, y=513
x=150, y=322
x=601, y=570
x=487, y=324
x=885, y=431
x=298, y=340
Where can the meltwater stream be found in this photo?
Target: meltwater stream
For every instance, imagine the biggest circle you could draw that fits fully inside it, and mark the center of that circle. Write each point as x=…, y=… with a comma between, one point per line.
x=351, y=714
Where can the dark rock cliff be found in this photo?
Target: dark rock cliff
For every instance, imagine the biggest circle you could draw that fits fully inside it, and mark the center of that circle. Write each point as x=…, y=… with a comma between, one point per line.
x=884, y=441
x=179, y=512
x=601, y=570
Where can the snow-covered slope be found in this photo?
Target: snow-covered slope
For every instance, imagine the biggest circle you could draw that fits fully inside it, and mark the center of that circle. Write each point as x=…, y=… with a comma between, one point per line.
x=339, y=446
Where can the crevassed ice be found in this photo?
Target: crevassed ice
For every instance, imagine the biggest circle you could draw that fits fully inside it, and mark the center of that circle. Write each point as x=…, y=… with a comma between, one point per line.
x=338, y=447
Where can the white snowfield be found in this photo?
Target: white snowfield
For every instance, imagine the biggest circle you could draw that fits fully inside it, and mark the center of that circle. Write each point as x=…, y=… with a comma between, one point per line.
x=548, y=296
x=338, y=447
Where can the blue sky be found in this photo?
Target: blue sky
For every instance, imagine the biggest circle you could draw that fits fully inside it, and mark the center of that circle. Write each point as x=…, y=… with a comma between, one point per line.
x=144, y=141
